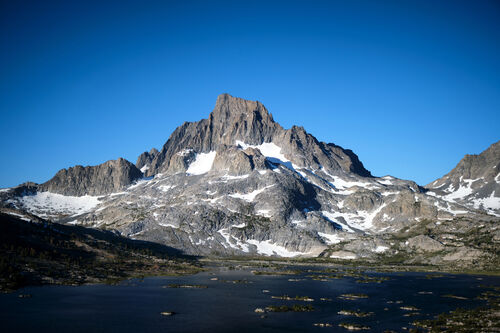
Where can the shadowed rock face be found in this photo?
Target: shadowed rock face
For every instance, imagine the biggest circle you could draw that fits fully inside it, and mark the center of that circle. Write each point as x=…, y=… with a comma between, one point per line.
x=235, y=119
x=144, y=160
x=111, y=176
x=474, y=182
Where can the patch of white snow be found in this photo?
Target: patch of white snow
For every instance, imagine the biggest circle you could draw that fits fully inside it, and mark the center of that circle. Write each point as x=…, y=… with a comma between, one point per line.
x=269, y=249
x=202, y=163
x=331, y=238
x=44, y=203
x=250, y=196
x=381, y=249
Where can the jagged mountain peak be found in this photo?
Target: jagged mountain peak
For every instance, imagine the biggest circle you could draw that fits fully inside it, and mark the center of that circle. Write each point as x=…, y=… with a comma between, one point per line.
x=236, y=120
x=227, y=107
x=473, y=166
x=474, y=182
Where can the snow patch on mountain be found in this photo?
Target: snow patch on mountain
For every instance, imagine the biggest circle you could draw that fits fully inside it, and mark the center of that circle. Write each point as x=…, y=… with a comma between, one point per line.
x=229, y=177
x=47, y=203
x=461, y=192
x=331, y=239
x=184, y=152
x=272, y=152
x=343, y=184
x=333, y=217
x=268, y=149
x=361, y=220
x=387, y=180
x=340, y=185
x=346, y=255
x=250, y=196
x=381, y=249
x=264, y=212
x=232, y=241
x=169, y=225
x=368, y=217
x=202, y=163
x=140, y=182
x=166, y=188
x=489, y=203
x=270, y=249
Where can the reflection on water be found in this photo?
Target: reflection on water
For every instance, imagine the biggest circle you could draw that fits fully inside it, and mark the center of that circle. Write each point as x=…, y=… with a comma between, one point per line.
x=379, y=301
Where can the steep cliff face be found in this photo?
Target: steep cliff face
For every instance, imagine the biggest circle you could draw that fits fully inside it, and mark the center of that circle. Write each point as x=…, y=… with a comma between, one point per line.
x=237, y=121
x=111, y=176
x=474, y=182
x=145, y=159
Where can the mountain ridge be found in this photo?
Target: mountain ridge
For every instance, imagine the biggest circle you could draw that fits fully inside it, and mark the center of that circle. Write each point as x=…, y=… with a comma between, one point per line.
x=235, y=119
x=474, y=181
x=108, y=177
x=237, y=183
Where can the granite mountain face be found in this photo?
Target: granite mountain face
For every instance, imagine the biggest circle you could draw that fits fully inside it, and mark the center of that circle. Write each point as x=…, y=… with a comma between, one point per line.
x=237, y=120
x=474, y=182
x=105, y=178
x=237, y=183
x=145, y=159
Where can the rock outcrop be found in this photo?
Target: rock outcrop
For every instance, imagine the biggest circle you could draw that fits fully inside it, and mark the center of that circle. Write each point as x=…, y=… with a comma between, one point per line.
x=425, y=244
x=111, y=176
x=474, y=182
x=145, y=159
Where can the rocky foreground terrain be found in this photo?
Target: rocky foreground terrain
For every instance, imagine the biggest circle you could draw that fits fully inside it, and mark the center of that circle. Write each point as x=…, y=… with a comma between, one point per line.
x=239, y=184
x=34, y=251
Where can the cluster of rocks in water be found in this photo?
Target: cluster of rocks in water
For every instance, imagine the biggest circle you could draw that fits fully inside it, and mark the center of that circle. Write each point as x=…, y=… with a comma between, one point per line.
x=358, y=314
x=482, y=319
x=296, y=298
x=187, y=286
x=444, y=322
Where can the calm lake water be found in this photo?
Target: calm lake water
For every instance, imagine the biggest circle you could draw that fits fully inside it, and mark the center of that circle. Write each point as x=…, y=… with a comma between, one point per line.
x=135, y=306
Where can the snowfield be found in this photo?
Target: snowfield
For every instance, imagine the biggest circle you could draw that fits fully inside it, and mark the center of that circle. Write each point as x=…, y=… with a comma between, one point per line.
x=331, y=238
x=272, y=152
x=269, y=249
x=489, y=203
x=202, y=163
x=44, y=203
x=461, y=192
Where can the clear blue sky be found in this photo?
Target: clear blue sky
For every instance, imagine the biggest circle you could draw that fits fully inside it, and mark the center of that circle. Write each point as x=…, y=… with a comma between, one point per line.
x=409, y=86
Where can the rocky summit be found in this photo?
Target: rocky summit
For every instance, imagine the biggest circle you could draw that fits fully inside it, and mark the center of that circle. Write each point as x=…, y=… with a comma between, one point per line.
x=474, y=182
x=105, y=178
x=237, y=183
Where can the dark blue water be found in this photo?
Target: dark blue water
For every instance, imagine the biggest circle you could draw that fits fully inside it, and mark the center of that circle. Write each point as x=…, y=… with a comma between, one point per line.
x=135, y=306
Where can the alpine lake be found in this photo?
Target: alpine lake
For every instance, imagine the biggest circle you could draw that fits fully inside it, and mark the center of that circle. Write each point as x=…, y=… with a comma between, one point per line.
x=248, y=298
